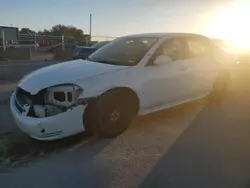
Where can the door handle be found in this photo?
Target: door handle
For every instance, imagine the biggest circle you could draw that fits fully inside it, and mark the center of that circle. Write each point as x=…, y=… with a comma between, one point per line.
x=184, y=68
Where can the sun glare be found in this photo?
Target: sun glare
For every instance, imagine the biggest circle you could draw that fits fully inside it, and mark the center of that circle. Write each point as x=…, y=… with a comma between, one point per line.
x=232, y=24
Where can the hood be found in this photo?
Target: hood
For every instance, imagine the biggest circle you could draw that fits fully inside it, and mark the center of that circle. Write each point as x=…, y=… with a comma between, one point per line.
x=61, y=73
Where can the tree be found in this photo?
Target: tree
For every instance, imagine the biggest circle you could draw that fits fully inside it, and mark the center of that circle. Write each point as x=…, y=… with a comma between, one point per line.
x=27, y=31
x=44, y=32
x=59, y=30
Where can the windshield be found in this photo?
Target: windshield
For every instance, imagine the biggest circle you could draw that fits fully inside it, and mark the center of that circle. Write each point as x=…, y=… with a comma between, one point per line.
x=100, y=44
x=126, y=51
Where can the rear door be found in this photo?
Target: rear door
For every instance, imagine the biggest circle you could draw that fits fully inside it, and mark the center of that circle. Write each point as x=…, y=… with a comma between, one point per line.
x=203, y=67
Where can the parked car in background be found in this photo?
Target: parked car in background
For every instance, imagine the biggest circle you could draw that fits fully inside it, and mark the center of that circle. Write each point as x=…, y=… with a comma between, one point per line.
x=133, y=75
x=82, y=52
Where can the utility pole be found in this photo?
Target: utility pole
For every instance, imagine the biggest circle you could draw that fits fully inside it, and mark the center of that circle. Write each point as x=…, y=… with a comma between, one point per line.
x=63, y=44
x=90, y=25
x=35, y=42
x=3, y=40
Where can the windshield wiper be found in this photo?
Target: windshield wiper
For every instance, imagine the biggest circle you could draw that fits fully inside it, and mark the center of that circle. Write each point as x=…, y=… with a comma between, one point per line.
x=109, y=62
x=106, y=62
x=99, y=61
x=88, y=59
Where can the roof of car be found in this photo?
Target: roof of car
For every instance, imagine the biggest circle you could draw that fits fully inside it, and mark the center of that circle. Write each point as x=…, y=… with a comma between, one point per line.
x=159, y=35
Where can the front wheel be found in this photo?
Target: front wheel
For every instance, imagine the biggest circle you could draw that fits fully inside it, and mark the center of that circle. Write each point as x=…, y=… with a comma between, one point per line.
x=111, y=114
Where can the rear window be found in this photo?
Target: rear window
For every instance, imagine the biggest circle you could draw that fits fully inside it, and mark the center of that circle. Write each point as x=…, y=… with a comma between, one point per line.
x=100, y=44
x=83, y=50
x=87, y=50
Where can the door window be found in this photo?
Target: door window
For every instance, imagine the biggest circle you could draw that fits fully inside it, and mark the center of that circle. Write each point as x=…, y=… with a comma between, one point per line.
x=198, y=47
x=174, y=49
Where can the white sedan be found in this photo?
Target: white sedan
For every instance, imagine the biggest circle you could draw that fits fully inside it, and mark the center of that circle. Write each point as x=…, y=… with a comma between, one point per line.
x=132, y=75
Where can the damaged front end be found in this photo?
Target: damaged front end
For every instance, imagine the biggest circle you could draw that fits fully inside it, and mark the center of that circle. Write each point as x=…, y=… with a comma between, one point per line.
x=47, y=102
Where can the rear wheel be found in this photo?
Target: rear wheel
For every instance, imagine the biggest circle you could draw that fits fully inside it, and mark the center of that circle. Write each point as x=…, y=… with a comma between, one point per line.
x=112, y=113
x=220, y=86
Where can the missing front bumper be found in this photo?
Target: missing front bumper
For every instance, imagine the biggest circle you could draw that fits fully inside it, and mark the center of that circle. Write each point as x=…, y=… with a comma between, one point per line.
x=50, y=128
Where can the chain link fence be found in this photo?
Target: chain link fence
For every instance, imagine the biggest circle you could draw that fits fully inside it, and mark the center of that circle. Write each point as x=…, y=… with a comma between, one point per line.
x=102, y=38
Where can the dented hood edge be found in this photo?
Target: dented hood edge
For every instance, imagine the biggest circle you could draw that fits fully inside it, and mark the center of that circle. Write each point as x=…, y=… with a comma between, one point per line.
x=70, y=72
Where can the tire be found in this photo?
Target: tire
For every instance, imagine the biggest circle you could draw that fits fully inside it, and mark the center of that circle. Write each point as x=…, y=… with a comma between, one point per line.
x=220, y=87
x=111, y=114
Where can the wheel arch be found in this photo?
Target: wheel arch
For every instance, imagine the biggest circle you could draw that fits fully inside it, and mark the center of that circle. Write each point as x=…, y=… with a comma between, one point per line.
x=91, y=106
x=130, y=92
x=125, y=90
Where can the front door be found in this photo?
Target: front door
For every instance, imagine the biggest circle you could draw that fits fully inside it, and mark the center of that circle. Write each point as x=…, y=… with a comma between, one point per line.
x=166, y=82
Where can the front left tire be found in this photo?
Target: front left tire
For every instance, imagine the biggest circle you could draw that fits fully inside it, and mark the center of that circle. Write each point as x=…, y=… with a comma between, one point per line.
x=111, y=114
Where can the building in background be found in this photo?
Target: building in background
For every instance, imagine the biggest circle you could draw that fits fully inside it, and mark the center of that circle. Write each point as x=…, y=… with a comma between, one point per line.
x=10, y=34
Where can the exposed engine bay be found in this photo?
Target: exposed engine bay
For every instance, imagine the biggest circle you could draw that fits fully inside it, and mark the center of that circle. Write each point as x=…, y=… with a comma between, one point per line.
x=47, y=102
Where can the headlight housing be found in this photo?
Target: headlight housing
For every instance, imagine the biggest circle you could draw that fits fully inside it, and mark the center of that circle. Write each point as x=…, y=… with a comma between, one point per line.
x=63, y=95
x=77, y=92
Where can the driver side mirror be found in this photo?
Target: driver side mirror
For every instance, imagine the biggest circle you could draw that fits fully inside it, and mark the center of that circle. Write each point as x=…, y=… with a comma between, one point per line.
x=162, y=59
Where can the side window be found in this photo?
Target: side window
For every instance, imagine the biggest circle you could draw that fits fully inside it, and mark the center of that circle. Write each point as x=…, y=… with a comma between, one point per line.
x=174, y=49
x=198, y=47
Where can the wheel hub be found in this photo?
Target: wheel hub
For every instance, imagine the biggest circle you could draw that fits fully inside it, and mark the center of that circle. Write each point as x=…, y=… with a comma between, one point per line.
x=114, y=116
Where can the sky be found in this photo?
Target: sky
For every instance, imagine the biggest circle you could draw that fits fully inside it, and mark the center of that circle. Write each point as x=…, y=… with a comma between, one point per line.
x=113, y=17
